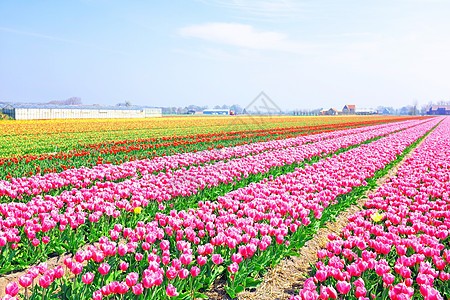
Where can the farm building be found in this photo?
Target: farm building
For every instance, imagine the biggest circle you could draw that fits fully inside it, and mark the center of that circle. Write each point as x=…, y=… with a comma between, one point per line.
x=36, y=112
x=216, y=112
x=348, y=110
x=332, y=112
x=439, y=110
x=366, y=111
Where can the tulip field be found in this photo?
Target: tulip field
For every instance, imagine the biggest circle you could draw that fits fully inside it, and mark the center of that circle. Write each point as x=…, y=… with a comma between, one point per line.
x=28, y=147
x=159, y=217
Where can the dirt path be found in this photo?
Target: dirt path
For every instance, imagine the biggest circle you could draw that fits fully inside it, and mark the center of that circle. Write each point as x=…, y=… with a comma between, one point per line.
x=288, y=277
x=51, y=264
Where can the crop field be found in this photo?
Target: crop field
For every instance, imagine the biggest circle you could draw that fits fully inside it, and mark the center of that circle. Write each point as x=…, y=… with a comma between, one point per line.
x=167, y=207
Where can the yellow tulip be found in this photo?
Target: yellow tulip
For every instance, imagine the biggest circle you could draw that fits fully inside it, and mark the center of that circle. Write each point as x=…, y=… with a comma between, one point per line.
x=377, y=217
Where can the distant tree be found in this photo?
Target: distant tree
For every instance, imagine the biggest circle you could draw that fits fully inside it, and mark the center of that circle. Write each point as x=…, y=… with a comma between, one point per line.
x=385, y=110
x=69, y=101
x=166, y=110
x=414, y=107
x=217, y=107
x=405, y=110
x=236, y=108
x=124, y=104
x=424, y=108
x=443, y=102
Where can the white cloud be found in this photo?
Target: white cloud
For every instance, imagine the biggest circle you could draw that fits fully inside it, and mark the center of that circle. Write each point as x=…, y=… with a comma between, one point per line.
x=243, y=36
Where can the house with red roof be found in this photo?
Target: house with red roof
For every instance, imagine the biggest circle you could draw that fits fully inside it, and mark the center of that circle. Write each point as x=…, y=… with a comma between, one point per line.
x=348, y=110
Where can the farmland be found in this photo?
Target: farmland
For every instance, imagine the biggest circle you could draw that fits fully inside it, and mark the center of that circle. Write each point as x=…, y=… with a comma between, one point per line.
x=151, y=209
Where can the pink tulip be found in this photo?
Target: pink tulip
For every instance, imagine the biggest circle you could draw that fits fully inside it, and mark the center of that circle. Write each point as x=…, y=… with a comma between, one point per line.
x=104, y=269
x=195, y=271
x=105, y=290
x=35, y=242
x=388, y=278
x=59, y=272
x=171, y=291
x=171, y=272
x=137, y=289
x=45, y=281
x=186, y=259
x=77, y=268
x=201, y=260
x=122, y=288
x=122, y=249
x=321, y=275
x=25, y=280
x=12, y=289
x=87, y=278
x=34, y=272
x=123, y=266
x=138, y=256
x=164, y=245
x=360, y=292
x=176, y=263
x=237, y=258
x=233, y=268
x=332, y=292
x=343, y=287
x=131, y=279
x=217, y=259
x=183, y=273
x=97, y=295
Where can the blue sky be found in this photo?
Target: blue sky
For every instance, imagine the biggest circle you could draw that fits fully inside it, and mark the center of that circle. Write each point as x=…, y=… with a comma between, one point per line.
x=303, y=54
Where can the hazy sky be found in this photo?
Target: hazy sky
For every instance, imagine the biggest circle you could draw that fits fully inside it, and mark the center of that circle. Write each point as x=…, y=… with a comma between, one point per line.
x=303, y=54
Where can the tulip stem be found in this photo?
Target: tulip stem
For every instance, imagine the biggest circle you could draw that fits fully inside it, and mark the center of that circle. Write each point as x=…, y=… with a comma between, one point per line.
x=75, y=285
x=65, y=290
x=84, y=290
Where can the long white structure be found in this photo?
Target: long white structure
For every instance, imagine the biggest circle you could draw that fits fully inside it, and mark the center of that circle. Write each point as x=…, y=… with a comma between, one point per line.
x=42, y=112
